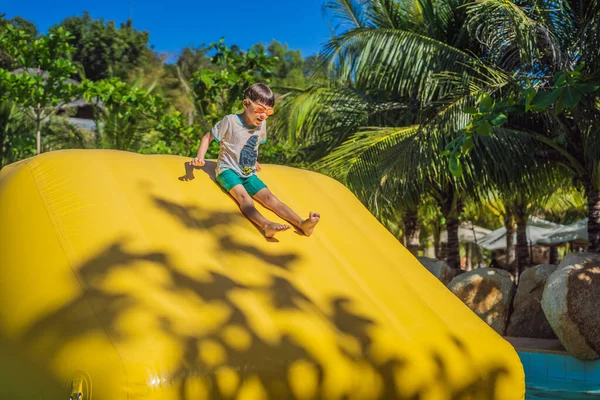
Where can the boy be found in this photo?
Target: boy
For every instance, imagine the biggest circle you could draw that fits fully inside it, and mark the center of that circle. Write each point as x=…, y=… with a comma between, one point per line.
x=239, y=136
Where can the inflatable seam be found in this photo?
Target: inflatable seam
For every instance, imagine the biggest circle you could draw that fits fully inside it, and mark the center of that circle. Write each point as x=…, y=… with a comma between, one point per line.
x=61, y=240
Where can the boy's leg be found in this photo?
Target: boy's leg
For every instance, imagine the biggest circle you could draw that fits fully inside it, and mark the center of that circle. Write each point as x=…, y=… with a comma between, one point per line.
x=246, y=204
x=269, y=200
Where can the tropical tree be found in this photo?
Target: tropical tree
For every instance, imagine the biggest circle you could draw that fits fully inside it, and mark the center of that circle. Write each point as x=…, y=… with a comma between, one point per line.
x=218, y=92
x=19, y=23
x=42, y=86
x=15, y=142
x=558, y=47
x=60, y=133
x=290, y=71
x=103, y=50
x=414, y=55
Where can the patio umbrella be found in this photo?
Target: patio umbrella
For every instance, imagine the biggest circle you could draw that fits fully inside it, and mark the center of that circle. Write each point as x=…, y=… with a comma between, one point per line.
x=575, y=232
x=537, y=229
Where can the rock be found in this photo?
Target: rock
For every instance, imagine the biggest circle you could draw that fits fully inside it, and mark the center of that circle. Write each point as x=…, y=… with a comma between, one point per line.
x=488, y=292
x=570, y=301
x=440, y=269
x=528, y=318
x=432, y=265
x=448, y=274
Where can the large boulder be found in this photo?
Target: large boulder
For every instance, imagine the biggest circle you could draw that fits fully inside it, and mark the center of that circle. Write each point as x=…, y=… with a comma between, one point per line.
x=528, y=318
x=488, y=292
x=571, y=300
x=440, y=269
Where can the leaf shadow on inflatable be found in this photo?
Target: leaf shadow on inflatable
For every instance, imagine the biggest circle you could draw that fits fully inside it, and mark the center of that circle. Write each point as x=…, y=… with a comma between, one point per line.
x=268, y=332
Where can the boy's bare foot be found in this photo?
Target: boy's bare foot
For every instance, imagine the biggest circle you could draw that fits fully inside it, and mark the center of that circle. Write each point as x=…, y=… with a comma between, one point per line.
x=308, y=225
x=272, y=228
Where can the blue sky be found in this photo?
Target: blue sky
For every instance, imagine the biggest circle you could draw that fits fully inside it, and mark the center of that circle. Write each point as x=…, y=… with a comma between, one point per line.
x=175, y=24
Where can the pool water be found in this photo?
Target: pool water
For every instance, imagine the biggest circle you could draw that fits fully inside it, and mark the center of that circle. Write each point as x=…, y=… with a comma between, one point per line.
x=541, y=393
x=559, y=376
x=560, y=389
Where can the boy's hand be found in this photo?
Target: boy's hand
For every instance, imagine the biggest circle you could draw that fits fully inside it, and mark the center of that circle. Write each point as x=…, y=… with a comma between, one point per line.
x=198, y=161
x=257, y=167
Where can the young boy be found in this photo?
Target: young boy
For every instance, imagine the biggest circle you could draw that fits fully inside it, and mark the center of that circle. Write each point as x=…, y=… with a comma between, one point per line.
x=239, y=136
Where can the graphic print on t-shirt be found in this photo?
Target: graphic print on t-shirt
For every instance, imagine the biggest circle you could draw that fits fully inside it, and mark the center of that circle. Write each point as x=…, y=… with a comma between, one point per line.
x=248, y=155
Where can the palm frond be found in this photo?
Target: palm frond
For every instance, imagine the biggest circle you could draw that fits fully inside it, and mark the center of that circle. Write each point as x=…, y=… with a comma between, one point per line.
x=436, y=16
x=348, y=14
x=513, y=35
x=361, y=148
x=328, y=115
x=563, y=204
x=589, y=123
x=397, y=61
x=60, y=133
x=360, y=164
x=120, y=129
x=590, y=42
x=390, y=14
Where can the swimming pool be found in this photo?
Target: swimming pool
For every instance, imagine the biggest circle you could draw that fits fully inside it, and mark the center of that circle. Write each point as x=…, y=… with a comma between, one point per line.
x=559, y=376
x=558, y=390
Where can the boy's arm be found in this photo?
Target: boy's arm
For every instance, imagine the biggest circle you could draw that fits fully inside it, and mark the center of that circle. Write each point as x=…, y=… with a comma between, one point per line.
x=202, y=149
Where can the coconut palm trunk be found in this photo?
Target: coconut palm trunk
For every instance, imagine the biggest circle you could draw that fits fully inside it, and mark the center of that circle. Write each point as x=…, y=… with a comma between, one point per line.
x=510, y=246
x=593, y=200
x=412, y=230
x=437, y=244
x=453, y=259
x=553, y=257
x=451, y=209
x=523, y=260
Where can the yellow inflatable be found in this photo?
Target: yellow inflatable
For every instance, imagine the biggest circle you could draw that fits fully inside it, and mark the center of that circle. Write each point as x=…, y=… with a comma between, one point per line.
x=136, y=277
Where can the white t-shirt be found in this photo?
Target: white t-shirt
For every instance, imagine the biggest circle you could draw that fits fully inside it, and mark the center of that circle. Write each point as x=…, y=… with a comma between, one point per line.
x=238, y=145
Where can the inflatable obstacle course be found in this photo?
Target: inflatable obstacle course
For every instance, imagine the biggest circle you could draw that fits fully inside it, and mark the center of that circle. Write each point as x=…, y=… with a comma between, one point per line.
x=142, y=274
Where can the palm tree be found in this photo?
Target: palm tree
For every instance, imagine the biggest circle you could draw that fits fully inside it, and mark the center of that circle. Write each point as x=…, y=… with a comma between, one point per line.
x=560, y=38
x=411, y=56
x=121, y=129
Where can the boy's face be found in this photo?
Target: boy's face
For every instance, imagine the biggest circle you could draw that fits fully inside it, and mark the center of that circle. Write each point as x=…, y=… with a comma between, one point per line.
x=257, y=112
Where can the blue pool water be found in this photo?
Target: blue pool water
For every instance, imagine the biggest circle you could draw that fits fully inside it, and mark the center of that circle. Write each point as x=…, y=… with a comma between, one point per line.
x=560, y=376
x=554, y=390
x=556, y=395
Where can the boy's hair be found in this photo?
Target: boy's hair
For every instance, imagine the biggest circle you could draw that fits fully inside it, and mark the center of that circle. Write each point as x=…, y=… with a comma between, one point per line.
x=259, y=92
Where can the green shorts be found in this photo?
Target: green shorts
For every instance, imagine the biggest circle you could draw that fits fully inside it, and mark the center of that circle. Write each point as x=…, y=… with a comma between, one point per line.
x=228, y=179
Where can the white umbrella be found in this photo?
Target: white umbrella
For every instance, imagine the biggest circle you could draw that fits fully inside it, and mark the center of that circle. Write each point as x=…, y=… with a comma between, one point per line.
x=575, y=232
x=537, y=229
x=467, y=234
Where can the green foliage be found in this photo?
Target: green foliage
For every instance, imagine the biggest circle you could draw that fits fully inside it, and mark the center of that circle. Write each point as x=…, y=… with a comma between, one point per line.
x=104, y=50
x=43, y=84
x=20, y=24
x=566, y=91
x=218, y=92
x=164, y=108
x=17, y=138
x=128, y=112
x=291, y=70
x=192, y=60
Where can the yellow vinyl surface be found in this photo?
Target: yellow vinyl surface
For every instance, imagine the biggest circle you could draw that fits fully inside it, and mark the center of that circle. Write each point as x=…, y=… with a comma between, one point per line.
x=139, y=273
